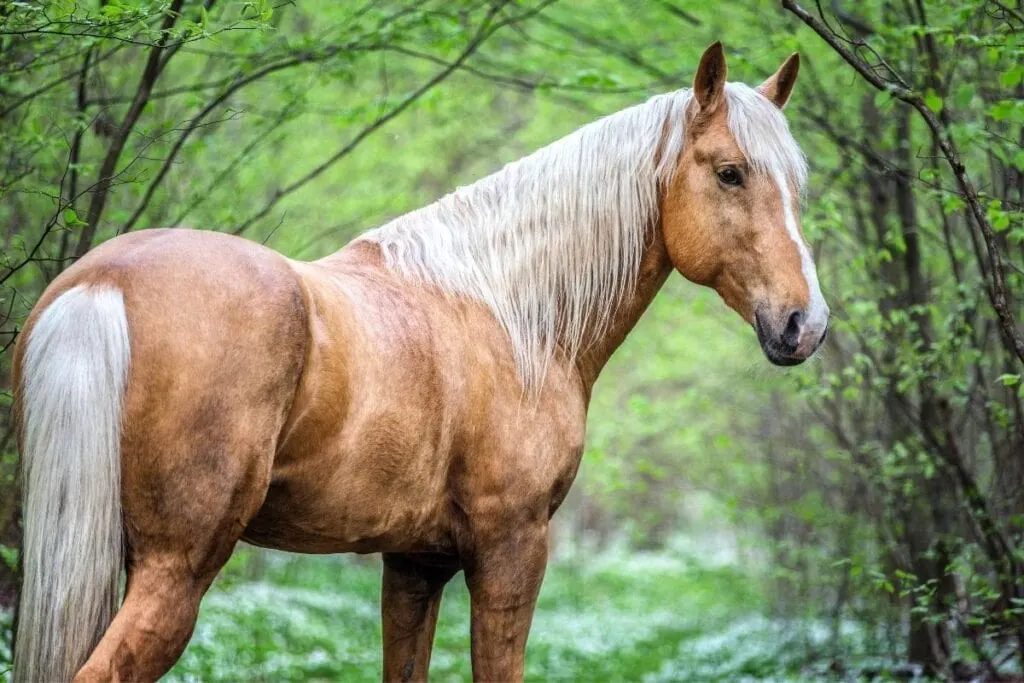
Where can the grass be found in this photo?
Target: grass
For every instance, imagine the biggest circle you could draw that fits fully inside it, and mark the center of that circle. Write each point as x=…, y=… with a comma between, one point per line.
x=652, y=617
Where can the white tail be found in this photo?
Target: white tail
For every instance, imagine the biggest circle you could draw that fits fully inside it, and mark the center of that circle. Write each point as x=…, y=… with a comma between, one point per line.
x=73, y=381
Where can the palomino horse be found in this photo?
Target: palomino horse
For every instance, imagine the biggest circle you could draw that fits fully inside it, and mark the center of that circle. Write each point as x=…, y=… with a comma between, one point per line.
x=421, y=393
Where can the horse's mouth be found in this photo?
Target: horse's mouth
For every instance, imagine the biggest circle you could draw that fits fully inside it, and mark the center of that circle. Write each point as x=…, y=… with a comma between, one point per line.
x=778, y=358
x=774, y=350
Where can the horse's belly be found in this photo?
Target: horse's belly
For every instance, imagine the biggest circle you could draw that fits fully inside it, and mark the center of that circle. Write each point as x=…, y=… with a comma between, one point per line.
x=284, y=524
x=351, y=503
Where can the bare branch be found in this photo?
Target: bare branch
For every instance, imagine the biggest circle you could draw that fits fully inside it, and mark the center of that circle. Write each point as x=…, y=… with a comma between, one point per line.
x=150, y=74
x=487, y=28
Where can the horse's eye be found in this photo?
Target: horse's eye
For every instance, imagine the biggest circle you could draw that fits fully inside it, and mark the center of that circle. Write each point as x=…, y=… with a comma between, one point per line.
x=730, y=176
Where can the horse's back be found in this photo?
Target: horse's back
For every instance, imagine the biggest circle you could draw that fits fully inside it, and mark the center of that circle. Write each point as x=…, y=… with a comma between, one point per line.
x=194, y=284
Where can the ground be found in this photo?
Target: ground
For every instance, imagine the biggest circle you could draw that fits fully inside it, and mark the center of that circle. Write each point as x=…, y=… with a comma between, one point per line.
x=649, y=617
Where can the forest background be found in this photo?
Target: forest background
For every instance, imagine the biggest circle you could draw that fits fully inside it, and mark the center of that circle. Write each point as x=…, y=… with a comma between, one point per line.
x=861, y=513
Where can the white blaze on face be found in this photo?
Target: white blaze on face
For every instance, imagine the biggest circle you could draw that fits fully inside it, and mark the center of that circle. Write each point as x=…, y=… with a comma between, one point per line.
x=817, y=310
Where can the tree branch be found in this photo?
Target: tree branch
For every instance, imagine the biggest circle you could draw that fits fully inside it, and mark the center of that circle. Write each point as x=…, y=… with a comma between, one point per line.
x=949, y=151
x=150, y=74
x=487, y=28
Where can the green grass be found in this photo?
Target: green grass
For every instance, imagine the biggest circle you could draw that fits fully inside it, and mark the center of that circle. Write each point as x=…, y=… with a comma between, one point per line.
x=634, y=617
x=622, y=617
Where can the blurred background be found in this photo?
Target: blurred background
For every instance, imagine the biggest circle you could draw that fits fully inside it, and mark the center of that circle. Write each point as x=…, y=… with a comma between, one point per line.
x=861, y=515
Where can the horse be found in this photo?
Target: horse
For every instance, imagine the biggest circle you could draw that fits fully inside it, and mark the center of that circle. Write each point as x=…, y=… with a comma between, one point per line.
x=421, y=393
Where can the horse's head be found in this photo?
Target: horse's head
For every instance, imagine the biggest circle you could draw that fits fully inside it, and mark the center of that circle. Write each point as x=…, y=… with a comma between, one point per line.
x=730, y=217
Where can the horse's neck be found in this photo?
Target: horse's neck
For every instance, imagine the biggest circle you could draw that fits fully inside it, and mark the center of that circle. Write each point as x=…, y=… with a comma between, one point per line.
x=655, y=267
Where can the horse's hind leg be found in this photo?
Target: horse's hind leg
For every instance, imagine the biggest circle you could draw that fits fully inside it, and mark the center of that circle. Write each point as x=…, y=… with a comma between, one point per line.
x=185, y=509
x=152, y=627
x=410, y=600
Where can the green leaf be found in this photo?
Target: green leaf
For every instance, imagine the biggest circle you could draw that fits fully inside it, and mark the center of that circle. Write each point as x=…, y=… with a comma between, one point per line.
x=1013, y=77
x=933, y=101
x=71, y=218
x=9, y=556
x=964, y=95
x=1006, y=110
x=112, y=12
x=1009, y=380
x=952, y=203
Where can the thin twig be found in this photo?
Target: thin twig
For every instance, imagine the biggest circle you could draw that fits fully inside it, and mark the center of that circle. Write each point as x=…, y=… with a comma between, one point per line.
x=487, y=28
x=998, y=291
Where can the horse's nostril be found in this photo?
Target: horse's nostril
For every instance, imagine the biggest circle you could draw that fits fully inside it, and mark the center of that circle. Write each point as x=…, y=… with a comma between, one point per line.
x=791, y=335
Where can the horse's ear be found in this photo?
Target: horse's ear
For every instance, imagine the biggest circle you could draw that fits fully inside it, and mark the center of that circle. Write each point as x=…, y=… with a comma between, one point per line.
x=779, y=86
x=709, y=82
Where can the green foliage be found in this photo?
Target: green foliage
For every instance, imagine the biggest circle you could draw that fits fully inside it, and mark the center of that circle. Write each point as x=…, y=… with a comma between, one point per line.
x=875, y=489
x=661, y=616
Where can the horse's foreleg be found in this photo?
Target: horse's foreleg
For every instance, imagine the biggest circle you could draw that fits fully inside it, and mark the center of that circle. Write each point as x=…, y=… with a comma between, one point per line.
x=410, y=600
x=504, y=578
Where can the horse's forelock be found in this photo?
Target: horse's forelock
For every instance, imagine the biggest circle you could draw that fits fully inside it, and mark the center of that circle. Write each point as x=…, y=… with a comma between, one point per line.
x=762, y=134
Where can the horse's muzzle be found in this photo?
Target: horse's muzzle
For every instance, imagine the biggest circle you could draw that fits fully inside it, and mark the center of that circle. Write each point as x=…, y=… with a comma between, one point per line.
x=788, y=340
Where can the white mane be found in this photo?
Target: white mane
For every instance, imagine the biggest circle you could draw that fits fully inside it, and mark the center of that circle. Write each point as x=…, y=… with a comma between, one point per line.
x=552, y=243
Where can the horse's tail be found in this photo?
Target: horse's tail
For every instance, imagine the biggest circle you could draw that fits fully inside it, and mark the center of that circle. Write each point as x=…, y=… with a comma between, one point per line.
x=71, y=389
